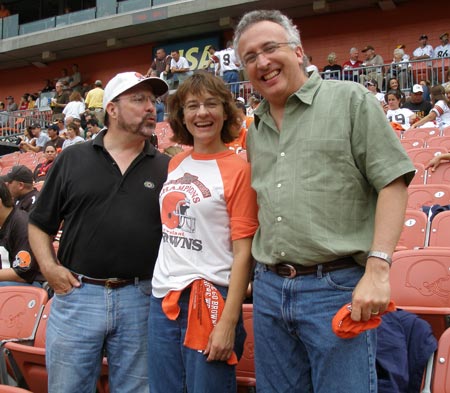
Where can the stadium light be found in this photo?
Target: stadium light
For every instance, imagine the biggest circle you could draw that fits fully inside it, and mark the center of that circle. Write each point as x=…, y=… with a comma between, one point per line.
x=47, y=55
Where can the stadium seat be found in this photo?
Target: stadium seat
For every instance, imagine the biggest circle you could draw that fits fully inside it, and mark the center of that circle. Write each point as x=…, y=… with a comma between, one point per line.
x=440, y=230
x=440, y=382
x=245, y=370
x=419, y=284
x=420, y=176
x=28, y=362
x=424, y=155
x=20, y=311
x=446, y=131
x=440, y=176
x=423, y=133
x=414, y=232
x=439, y=141
x=428, y=195
x=12, y=389
x=412, y=143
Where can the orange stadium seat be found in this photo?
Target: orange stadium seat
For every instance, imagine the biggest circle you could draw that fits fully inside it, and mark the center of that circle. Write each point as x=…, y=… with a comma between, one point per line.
x=420, y=176
x=29, y=361
x=245, y=370
x=12, y=389
x=428, y=195
x=423, y=133
x=414, y=232
x=440, y=230
x=440, y=176
x=20, y=311
x=420, y=284
x=440, y=382
x=412, y=143
x=439, y=141
x=424, y=155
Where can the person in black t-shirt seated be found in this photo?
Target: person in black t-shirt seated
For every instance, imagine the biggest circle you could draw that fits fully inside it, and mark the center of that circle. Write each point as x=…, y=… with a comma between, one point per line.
x=23, y=268
x=20, y=184
x=417, y=104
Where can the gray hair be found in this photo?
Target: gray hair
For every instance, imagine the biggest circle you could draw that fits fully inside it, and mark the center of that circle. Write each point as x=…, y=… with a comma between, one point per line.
x=275, y=16
x=399, y=51
x=352, y=50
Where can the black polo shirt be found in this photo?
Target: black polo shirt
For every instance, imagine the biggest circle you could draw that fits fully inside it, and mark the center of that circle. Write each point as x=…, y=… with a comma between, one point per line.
x=112, y=225
x=14, y=237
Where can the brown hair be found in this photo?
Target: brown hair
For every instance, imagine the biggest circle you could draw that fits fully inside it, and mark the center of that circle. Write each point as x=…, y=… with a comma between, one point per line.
x=75, y=96
x=438, y=93
x=198, y=84
x=74, y=127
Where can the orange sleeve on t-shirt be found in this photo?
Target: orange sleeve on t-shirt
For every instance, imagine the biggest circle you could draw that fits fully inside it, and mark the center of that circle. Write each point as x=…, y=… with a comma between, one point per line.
x=239, y=196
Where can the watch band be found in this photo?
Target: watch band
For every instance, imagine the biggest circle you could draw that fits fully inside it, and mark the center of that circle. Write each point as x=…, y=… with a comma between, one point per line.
x=380, y=255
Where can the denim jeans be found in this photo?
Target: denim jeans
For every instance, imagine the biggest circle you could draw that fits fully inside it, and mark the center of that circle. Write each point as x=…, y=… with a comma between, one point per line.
x=20, y=284
x=232, y=78
x=175, y=368
x=160, y=111
x=88, y=320
x=295, y=348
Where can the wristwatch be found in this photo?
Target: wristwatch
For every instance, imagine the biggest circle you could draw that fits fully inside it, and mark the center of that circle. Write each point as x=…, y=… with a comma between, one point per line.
x=380, y=255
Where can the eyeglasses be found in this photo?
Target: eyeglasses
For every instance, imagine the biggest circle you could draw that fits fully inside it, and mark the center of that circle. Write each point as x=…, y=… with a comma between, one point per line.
x=267, y=49
x=210, y=105
x=138, y=99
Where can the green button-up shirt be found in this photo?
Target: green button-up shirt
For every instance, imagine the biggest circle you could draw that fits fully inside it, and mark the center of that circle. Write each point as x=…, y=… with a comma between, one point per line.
x=318, y=179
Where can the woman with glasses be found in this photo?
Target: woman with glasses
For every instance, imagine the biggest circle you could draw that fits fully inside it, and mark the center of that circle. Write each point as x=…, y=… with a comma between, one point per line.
x=40, y=172
x=208, y=214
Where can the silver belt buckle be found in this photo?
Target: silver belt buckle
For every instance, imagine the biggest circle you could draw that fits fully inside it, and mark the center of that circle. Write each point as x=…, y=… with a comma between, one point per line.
x=292, y=270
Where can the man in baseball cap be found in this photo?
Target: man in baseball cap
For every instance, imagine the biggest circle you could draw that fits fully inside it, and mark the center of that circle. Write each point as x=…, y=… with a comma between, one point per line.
x=416, y=103
x=20, y=185
x=106, y=191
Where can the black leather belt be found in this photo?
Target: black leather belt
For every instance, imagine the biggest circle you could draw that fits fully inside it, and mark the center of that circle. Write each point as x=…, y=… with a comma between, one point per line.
x=291, y=270
x=112, y=283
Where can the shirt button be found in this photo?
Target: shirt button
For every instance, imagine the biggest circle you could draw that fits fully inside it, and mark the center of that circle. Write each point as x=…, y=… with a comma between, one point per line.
x=283, y=154
x=282, y=253
x=279, y=219
x=279, y=185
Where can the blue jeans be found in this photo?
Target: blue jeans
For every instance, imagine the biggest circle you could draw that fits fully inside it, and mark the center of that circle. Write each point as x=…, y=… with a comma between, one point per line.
x=159, y=111
x=295, y=348
x=89, y=319
x=232, y=78
x=175, y=368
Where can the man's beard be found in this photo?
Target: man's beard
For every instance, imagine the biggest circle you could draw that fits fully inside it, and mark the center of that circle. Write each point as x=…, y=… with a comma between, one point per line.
x=139, y=129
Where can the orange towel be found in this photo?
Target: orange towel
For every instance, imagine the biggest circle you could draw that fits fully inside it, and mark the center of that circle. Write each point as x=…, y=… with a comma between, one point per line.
x=345, y=327
x=205, y=308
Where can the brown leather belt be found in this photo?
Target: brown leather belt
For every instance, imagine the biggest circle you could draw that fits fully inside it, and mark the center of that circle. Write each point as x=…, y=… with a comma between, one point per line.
x=111, y=283
x=291, y=270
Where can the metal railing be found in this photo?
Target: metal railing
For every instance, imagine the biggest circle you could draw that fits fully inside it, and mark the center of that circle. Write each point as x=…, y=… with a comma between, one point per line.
x=408, y=73
x=14, y=123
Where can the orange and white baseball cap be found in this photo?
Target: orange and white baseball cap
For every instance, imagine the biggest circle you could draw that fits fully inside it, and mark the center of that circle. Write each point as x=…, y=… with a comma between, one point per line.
x=126, y=80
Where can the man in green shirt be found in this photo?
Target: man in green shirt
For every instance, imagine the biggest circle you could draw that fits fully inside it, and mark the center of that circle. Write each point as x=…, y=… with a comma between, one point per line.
x=331, y=179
